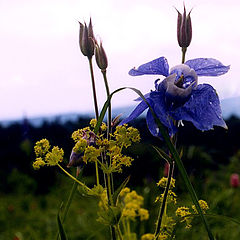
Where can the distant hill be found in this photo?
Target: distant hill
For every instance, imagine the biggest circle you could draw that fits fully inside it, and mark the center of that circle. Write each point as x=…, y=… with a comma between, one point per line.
x=230, y=106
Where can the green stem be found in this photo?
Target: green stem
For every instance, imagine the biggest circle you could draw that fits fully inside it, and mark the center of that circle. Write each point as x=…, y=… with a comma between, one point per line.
x=119, y=232
x=109, y=190
x=104, y=72
x=73, y=178
x=164, y=201
x=93, y=88
x=110, y=202
x=97, y=175
x=184, y=50
x=128, y=230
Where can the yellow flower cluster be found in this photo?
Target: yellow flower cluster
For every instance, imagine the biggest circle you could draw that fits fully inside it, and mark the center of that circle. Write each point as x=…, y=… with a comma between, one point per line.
x=44, y=156
x=167, y=227
x=41, y=147
x=147, y=236
x=203, y=205
x=38, y=163
x=80, y=133
x=80, y=146
x=91, y=154
x=171, y=197
x=131, y=204
x=150, y=236
x=185, y=214
x=126, y=135
x=93, y=124
x=91, y=146
x=163, y=183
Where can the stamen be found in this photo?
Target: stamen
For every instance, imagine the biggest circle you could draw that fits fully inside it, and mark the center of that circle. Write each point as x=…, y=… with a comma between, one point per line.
x=179, y=82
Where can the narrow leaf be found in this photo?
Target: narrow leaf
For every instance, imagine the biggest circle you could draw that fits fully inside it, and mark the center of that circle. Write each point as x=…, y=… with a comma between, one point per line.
x=62, y=233
x=162, y=154
x=119, y=189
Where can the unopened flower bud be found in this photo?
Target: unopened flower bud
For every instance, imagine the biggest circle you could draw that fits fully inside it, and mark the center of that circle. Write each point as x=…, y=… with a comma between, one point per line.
x=75, y=159
x=184, y=29
x=234, y=180
x=86, y=39
x=101, y=57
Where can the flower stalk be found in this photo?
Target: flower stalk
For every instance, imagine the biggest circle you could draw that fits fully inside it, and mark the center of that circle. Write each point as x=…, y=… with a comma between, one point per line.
x=184, y=50
x=93, y=88
x=104, y=72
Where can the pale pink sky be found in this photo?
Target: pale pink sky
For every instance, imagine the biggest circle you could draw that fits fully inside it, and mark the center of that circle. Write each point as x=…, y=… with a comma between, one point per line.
x=43, y=72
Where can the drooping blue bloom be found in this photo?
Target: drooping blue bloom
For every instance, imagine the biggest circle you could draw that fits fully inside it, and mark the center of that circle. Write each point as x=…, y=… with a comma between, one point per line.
x=179, y=97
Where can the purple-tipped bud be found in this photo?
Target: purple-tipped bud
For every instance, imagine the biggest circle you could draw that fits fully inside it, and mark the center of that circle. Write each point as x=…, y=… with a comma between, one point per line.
x=184, y=29
x=86, y=39
x=101, y=57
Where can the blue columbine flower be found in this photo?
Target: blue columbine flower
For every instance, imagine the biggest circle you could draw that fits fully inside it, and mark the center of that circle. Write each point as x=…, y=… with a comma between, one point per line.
x=178, y=97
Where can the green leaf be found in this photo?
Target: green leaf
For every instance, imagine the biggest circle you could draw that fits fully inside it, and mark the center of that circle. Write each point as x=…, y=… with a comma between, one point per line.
x=162, y=154
x=62, y=233
x=119, y=189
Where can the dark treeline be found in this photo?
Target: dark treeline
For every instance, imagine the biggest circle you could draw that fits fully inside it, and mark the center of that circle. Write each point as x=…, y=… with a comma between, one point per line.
x=201, y=150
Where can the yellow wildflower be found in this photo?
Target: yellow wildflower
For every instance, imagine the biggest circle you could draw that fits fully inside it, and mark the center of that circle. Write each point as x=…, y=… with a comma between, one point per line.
x=80, y=146
x=93, y=123
x=134, y=134
x=38, y=163
x=78, y=134
x=143, y=213
x=125, y=136
x=41, y=147
x=124, y=191
x=163, y=183
x=91, y=154
x=203, y=205
x=184, y=213
x=104, y=127
x=54, y=157
x=147, y=236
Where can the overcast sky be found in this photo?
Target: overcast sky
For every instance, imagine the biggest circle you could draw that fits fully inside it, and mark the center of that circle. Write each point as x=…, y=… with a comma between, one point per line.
x=42, y=70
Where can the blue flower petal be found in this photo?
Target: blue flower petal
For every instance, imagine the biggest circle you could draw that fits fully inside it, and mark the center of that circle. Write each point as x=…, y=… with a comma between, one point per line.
x=207, y=66
x=158, y=66
x=161, y=110
x=135, y=113
x=152, y=126
x=202, y=109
